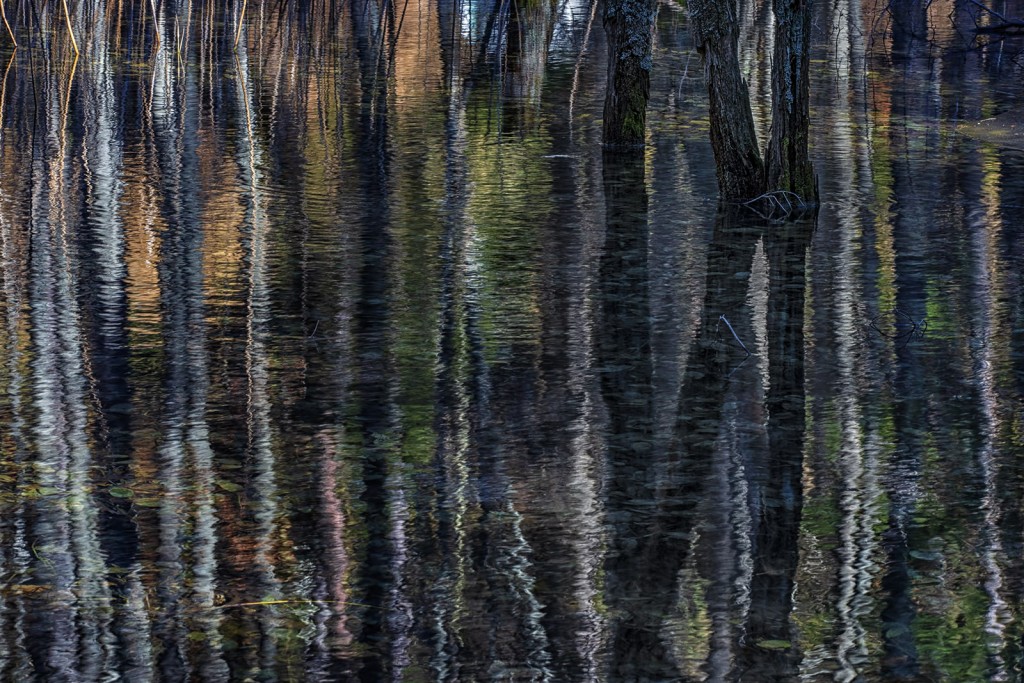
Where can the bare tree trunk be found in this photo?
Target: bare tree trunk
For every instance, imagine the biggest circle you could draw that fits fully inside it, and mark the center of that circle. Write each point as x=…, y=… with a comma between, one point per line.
x=789, y=167
x=737, y=157
x=630, y=27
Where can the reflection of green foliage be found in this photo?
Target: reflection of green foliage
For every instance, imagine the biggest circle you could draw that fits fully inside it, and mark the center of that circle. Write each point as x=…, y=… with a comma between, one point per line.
x=887, y=428
x=418, y=188
x=510, y=202
x=1013, y=433
x=881, y=172
x=881, y=523
x=952, y=637
x=930, y=455
x=833, y=436
x=940, y=320
x=292, y=637
x=821, y=517
x=815, y=629
x=691, y=649
x=419, y=443
x=415, y=351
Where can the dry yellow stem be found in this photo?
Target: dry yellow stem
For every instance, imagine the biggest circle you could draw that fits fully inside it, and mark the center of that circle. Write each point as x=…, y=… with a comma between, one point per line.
x=241, y=20
x=156, y=26
x=10, y=32
x=71, y=32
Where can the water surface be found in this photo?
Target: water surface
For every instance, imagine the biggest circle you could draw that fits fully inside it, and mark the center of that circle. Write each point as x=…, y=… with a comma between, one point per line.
x=350, y=355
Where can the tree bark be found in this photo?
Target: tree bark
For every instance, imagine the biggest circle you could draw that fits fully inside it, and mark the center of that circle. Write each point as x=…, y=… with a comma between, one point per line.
x=789, y=167
x=629, y=25
x=738, y=162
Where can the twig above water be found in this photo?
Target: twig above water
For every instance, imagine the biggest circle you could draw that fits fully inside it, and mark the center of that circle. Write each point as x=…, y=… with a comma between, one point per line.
x=735, y=336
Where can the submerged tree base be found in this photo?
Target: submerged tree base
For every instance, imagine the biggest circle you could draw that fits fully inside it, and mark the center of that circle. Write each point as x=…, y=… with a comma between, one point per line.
x=630, y=26
x=783, y=205
x=743, y=174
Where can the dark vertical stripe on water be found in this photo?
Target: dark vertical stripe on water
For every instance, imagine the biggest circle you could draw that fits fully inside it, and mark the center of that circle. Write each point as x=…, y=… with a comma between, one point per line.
x=373, y=391
x=771, y=653
x=642, y=508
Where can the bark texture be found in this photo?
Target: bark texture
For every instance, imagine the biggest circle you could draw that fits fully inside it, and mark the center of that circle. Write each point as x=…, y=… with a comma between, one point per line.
x=715, y=29
x=789, y=167
x=629, y=25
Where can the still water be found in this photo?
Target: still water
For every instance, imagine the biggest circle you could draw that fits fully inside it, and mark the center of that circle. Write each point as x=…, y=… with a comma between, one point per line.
x=348, y=354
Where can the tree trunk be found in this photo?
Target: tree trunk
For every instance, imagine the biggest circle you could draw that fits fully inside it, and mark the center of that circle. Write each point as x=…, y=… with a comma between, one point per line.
x=789, y=167
x=630, y=28
x=737, y=158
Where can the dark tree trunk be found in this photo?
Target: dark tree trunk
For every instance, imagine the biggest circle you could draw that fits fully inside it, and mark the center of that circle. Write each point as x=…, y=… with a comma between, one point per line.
x=630, y=28
x=789, y=167
x=715, y=29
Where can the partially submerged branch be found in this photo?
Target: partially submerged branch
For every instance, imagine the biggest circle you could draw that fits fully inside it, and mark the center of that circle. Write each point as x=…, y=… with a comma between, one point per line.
x=780, y=205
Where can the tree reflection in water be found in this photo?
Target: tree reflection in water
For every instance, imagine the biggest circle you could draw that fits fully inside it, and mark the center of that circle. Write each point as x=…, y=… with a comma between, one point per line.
x=352, y=355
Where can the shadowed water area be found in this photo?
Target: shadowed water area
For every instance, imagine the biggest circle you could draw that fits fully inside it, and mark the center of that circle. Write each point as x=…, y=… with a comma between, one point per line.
x=349, y=354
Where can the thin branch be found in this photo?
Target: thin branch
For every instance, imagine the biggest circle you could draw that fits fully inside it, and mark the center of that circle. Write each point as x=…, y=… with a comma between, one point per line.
x=1009, y=27
x=270, y=603
x=777, y=205
x=989, y=10
x=735, y=336
x=10, y=32
x=917, y=327
x=156, y=26
x=241, y=22
x=71, y=32
x=1005, y=23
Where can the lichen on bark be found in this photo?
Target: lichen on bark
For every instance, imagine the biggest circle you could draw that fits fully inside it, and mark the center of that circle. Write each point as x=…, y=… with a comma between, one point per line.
x=629, y=25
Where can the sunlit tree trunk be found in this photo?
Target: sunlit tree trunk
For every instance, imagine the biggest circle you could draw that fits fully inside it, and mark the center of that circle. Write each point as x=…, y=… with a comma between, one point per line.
x=629, y=25
x=789, y=167
x=738, y=162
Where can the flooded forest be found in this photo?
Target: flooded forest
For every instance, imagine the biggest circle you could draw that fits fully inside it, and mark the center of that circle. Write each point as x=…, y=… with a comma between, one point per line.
x=337, y=342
